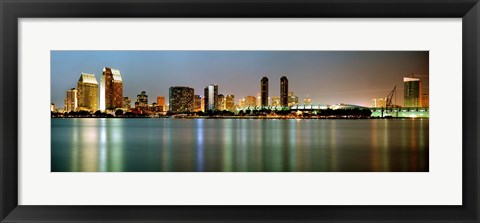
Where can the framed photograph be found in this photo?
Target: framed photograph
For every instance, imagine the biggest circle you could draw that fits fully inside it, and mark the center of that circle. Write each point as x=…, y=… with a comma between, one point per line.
x=239, y=111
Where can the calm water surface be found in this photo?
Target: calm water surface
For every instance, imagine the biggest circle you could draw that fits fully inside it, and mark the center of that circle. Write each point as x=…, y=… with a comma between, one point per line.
x=213, y=145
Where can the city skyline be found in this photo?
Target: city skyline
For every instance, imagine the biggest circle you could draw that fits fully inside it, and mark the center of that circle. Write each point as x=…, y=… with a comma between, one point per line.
x=327, y=77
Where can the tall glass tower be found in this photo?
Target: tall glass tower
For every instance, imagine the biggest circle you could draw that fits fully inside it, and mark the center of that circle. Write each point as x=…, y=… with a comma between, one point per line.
x=111, y=89
x=211, y=97
x=264, y=91
x=87, y=87
x=283, y=91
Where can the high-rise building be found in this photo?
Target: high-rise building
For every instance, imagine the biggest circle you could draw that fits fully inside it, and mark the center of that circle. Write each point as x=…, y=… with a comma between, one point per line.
x=142, y=100
x=264, y=91
x=181, y=99
x=230, y=102
x=221, y=102
x=197, y=103
x=211, y=97
x=250, y=101
x=259, y=100
x=127, y=103
x=241, y=103
x=412, y=92
x=111, y=89
x=283, y=91
x=71, y=102
x=161, y=103
x=276, y=101
x=87, y=87
x=292, y=99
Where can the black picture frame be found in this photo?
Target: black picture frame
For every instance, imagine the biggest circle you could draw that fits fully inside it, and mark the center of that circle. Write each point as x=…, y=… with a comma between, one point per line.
x=11, y=11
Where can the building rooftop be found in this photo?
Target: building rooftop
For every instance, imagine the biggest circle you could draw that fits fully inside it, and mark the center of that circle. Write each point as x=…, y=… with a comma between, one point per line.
x=88, y=78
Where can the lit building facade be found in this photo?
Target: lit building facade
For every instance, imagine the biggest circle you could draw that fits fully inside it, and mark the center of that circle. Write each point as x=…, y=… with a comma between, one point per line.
x=211, y=97
x=87, y=87
x=127, y=103
x=111, y=89
x=71, y=102
x=142, y=100
x=221, y=102
x=264, y=91
x=412, y=92
x=197, y=103
x=181, y=99
x=283, y=91
x=230, y=102
x=161, y=103
x=292, y=99
x=276, y=101
x=380, y=102
x=307, y=100
x=250, y=101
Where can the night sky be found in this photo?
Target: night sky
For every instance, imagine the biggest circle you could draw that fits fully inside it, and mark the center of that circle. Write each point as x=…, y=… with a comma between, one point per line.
x=327, y=77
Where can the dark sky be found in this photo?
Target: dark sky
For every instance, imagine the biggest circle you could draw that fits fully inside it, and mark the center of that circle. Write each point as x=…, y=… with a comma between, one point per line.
x=330, y=77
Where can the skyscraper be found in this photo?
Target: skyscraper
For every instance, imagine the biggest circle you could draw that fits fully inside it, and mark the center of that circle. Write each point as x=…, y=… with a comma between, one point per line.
x=71, y=100
x=161, y=103
x=127, y=103
x=87, y=87
x=211, y=97
x=111, y=89
x=264, y=91
x=412, y=92
x=221, y=102
x=230, y=102
x=292, y=99
x=283, y=91
x=197, y=103
x=142, y=100
x=181, y=99
x=250, y=101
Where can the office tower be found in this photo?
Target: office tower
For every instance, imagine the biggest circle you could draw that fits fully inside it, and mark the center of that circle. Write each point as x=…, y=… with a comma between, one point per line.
x=230, y=102
x=142, y=100
x=250, y=101
x=111, y=89
x=181, y=99
x=211, y=97
x=241, y=103
x=283, y=91
x=127, y=103
x=161, y=103
x=221, y=102
x=264, y=91
x=412, y=92
x=197, y=103
x=52, y=107
x=292, y=99
x=202, y=107
x=259, y=100
x=87, y=87
x=276, y=101
x=71, y=100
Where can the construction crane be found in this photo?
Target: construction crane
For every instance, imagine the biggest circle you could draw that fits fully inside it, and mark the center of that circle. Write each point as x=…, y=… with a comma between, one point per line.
x=388, y=102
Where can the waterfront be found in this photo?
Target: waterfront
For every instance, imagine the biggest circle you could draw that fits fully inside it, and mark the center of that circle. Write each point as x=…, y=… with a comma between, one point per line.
x=240, y=145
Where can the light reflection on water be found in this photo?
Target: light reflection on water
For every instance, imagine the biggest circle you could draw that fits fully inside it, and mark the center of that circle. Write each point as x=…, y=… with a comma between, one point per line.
x=216, y=145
